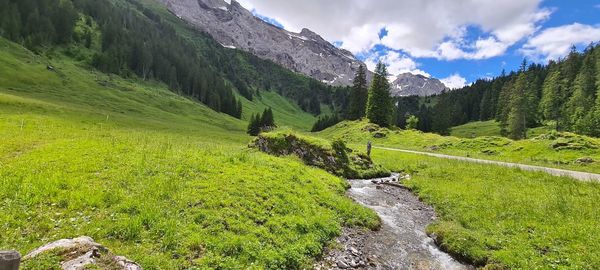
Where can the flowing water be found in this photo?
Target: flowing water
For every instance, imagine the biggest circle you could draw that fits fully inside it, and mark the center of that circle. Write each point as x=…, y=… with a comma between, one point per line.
x=401, y=243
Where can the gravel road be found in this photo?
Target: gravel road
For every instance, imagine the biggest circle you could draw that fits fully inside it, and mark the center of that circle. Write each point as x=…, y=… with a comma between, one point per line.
x=581, y=176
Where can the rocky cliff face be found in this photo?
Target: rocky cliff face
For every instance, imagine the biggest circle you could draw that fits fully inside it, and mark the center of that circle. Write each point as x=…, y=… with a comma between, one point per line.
x=235, y=27
x=408, y=84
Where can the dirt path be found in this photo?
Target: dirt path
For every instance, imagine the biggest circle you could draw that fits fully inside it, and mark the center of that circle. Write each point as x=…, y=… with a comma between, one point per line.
x=401, y=243
x=581, y=176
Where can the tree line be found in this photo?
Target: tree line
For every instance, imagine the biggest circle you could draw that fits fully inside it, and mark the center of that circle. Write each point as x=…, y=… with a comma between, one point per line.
x=564, y=93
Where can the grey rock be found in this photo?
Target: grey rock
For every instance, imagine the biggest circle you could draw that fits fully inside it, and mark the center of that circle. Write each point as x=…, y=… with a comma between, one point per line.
x=10, y=260
x=342, y=265
x=235, y=27
x=408, y=84
x=87, y=252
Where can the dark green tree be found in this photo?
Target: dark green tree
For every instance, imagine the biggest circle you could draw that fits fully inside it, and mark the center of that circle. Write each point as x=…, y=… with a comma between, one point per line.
x=267, y=120
x=254, y=125
x=359, y=95
x=553, y=97
x=517, y=116
x=379, y=104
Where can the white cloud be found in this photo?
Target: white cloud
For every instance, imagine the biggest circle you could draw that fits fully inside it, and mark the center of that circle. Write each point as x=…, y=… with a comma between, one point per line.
x=396, y=64
x=425, y=28
x=553, y=43
x=454, y=81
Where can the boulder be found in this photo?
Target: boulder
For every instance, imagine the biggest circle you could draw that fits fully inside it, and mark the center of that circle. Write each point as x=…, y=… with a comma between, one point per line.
x=82, y=253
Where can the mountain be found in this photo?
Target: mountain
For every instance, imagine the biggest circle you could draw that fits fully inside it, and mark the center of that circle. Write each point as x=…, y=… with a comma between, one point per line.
x=235, y=27
x=408, y=84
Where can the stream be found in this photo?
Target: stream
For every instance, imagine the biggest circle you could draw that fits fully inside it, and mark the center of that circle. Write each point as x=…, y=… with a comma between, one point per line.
x=401, y=243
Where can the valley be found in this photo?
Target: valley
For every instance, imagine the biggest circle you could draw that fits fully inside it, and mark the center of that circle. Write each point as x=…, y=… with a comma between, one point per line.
x=195, y=135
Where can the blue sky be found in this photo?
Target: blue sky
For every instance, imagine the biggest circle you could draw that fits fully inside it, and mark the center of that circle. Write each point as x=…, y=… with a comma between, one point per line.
x=459, y=41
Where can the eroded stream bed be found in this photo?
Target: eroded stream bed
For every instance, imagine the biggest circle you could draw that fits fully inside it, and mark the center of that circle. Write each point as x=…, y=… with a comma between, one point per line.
x=401, y=243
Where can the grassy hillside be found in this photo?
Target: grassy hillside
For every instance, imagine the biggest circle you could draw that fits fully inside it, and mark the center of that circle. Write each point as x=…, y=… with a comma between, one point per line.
x=490, y=128
x=505, y=218
x=156, y=177
x=558, y=150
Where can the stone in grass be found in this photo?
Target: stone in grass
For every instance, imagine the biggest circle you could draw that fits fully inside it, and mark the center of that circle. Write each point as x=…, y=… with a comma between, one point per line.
x=81, y=253
x=585, y=160
x=10, y=260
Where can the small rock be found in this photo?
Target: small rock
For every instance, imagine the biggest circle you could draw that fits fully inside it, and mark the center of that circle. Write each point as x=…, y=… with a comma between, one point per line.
x=342, y=265
x=585, y=160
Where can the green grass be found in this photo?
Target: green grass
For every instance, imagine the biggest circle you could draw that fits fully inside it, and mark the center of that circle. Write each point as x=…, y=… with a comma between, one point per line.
x=505, y=218
x=490, y=128
x=476, y=129
x=153, y=176
x=543, y=150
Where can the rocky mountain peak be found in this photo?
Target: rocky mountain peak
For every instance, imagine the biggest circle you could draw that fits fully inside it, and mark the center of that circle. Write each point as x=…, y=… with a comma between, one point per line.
x=408, y=84
x=235, y=27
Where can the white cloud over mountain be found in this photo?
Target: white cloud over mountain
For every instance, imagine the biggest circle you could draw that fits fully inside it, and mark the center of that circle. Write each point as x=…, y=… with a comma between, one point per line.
x=454, y=81
x=430, y=28
x=439, y=29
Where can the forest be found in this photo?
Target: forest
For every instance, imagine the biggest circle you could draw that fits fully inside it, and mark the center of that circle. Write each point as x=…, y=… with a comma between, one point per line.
x=189, y=63
x=563, y=94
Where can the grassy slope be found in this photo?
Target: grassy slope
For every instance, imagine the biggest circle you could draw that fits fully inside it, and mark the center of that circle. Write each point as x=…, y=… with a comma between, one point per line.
x=506, y=217
x=533, y=151
x=489, y=128
x=153, y=176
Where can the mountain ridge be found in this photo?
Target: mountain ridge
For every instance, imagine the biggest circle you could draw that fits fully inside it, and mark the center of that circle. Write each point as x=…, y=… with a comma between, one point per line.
x=408, y=84
x=233, y=26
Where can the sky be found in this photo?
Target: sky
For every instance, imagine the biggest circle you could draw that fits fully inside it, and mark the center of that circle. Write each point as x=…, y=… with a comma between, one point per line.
x=457, y=41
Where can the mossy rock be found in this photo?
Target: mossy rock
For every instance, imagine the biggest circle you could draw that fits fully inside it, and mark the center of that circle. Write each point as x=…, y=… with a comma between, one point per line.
x=333, y=157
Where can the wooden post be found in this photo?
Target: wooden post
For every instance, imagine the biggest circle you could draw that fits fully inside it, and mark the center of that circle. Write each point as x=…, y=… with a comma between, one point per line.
x=10, y=260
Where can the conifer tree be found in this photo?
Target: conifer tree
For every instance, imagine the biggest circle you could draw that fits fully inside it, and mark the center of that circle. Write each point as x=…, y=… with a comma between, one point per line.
x=359, y=95
x=552, y=97
x=582, y=100
x=267, y=119
x=379, y=104
x=517, y=116
x=254, y=125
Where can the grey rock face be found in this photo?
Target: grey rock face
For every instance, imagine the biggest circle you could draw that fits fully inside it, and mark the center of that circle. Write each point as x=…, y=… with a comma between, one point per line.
x=408, y=84
x=235, y=27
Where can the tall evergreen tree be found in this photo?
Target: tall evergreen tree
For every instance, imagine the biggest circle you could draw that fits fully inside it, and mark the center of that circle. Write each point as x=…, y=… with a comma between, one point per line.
x=359, y=95
x=517, y=116
x=552, y=98
x=584, y=91
x=379, y=104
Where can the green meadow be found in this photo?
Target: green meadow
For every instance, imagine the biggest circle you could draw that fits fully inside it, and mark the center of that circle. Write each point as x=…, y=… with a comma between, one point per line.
x=551, y=149
x=154, y=176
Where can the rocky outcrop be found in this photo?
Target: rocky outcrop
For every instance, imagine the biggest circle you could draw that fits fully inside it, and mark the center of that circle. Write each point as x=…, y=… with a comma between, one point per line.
x=408, y=84
x=82, y=253
x=235, y=27
x=336, y=159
